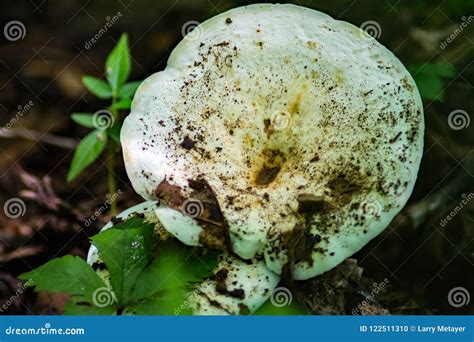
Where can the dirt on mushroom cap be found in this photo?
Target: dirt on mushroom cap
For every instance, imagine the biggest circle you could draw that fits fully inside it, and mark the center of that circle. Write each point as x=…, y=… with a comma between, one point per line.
x=308, y=132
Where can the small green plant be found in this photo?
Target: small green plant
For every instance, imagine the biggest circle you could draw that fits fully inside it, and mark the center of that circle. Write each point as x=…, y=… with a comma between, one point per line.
x=145, y=275
x=429, y=79
x=105, y=123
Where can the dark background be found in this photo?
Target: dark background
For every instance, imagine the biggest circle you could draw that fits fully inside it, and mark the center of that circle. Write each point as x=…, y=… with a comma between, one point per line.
x=421, y=258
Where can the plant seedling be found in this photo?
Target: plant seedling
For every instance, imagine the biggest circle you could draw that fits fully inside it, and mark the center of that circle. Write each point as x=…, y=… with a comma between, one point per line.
x=105, y=123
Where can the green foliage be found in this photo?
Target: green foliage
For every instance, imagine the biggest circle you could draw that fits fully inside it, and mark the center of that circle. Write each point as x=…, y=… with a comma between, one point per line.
x=88, y=150
x=164, y=287
x=292, y=309
x=145, y=278
x=129, y=89
x=122, y=104
x=115, y=88
x=430, y=79
x=97, y=87
x=68, y=274
x=83, y=119
x=114, y=132
x=117, y=65
x=125, y=251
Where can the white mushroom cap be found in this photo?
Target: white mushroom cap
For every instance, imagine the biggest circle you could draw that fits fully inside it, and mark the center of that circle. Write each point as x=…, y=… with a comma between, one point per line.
x=237, y=287
x=305, y=131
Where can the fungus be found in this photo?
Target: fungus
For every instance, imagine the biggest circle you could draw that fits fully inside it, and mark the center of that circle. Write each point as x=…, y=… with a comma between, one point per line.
x=297, y=137
x=237, y=286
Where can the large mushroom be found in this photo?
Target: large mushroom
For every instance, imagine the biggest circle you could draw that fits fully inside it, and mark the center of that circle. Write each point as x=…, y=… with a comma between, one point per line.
x=236, y=287
x=277, y=132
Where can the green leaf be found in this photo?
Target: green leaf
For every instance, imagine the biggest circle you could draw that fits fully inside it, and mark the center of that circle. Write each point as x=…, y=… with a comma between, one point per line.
x=86, y=152
x=430, y=78
x=75, y=307
x=117, y=65
x=129, y=89
x=114, y=132
x=169, y=305
x=126, y=250
x=171, y=276
x=69, y=274
x=144, y=279
x=292, y=309
x=98, y=87
x=83, y=119
x=124, y=103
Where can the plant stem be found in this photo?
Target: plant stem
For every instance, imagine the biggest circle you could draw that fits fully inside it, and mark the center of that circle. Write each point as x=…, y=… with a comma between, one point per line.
x=112, y=186
x=111, y=178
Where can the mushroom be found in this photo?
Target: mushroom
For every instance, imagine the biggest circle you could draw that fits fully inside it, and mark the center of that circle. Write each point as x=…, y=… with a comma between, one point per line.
x=236, y=287
x=298, y=136
x=278, y=133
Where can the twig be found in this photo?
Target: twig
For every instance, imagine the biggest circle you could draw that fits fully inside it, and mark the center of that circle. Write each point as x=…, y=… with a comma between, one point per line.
x=438, y=203
x=37, y=136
